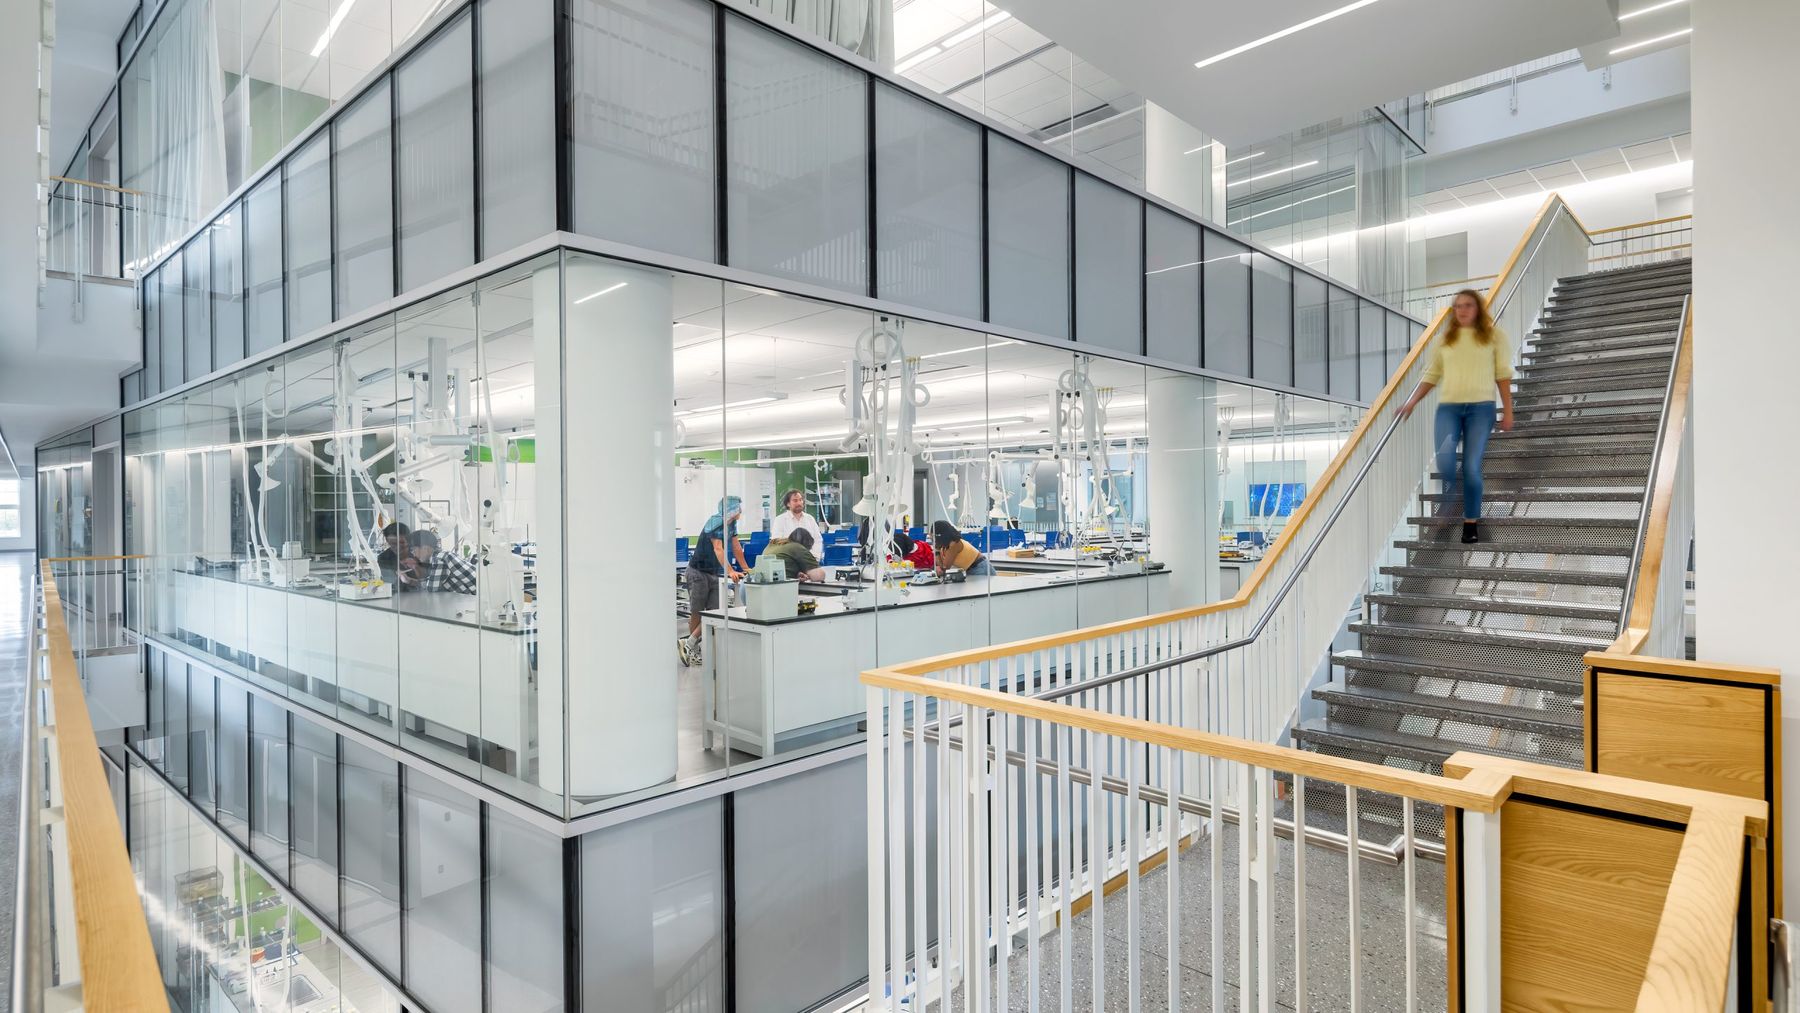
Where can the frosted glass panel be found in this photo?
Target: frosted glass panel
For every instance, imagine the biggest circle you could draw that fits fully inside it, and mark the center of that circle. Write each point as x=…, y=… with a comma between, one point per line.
x=437, y=158
x=269, y=782
x=518, y=123
x=665, y=870
x=642, y=159
x=234, y=761
x=1341, y=339
x=315, y=826
x=443, y=895
x=1028, y=239
x=265, y=317
x=525, y=916
x=1373, y=351
x=1171, y=287
x=196, y=296
x=365, y=202
x=1109, y=253
x=171, y=305
x=797, y=160
x=1272, y=305
x=927, y=204
x=801, y=857
x=1227, y=295
x=228, y=288
x=1309, y=332
x=152, y=371
x=1400, y=333
x=371, y=855
x=309, y=237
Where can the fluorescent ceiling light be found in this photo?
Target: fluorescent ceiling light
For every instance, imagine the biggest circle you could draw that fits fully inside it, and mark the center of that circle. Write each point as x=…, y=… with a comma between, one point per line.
x=337, y=19
x=976, y=29
x=1274, y=172
x=971, y=348
x=709, y=409
x=917, y=58
x=596, y=295
x=1650, y=42
x=1285, y=32
x=1649, y=9
x=1246, y=158
x=1295, y=204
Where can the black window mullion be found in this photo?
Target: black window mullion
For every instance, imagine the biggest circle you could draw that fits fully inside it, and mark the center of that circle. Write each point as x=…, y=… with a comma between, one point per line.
x=869, y=161
x=561, y=44
x=475, y=126
x=1070, y=309
x=482, y=829
x=987, y=314
x=571, y=860
x=394, y=179
x=721, y=169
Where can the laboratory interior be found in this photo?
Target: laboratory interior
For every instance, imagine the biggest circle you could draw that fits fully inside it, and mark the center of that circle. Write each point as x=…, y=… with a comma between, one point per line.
x=451, y=526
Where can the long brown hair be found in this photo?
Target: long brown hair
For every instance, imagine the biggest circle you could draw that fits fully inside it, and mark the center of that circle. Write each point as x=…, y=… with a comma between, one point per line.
x=1484, y=324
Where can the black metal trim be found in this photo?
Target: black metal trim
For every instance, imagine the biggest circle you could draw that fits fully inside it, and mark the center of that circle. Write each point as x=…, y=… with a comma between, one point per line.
x=1453, y=824
x=869, y=197
x=721, y=184
x=476, y=222
x=287, y=721
x=1747, y=936
x=1200, y=289
x=987, y=309
x=728, y=886
x=571, y=860
x=562, y=46
x=393, y=82
x=331, y=215
x=1071, y=309
x=281, y=199
x=1143, y=279
x=1609, y=814
x=337, y=745
x=400, y=912
x=486, y=905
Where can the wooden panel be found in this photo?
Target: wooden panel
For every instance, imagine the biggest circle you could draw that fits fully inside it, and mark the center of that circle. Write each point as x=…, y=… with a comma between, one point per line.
x=1694, y=734
x=1690, y=962
x=1581, y=896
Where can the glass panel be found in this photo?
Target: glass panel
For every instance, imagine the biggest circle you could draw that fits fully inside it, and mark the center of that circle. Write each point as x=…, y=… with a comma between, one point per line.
x=152, y=372
x=1227, y=295
x=518, y=124
x=796, y=169
x=171, y=303
x=642, y=159
x=927, y=204
x=1272, y=293
x=309, y=237
x=1373, y=353
x=228, y=288
x=196, y=315
x=1309, y=332
x=365, y=202
x=1172, y=287
x=202, y=729
x=1109, y=257
x=666, y=871
x=315, y=815
x=371, y=856
x=434, y=101
x=1400, y=334
x=175, y=722
x=525, y=915
x=443, y=895
x=234, y=760
x=1028, y=239
x=264, y=317
x=269, y=782
x=797, y=947
x=1341, y=338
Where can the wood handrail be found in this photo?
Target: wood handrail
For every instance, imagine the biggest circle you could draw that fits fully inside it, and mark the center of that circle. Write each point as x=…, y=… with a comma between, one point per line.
x=118, y=964
x=1636, y=632
x=89, y=559
x=96, y=185
x=1641, y=225
x=1690, y=962
x=1462, y=281
x=1643, y=253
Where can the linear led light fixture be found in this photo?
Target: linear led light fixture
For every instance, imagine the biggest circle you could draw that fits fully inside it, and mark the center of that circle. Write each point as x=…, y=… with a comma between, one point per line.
x=595, y=295
x=1650, y=9
x=976, y=29
x=1295, y=204
x=745, y=403
x=1243, y=158
x=337, y=19
x=1274, y=172
x=1650, y=42
x=917, y=58
x=1284, y=33
x=971, y=348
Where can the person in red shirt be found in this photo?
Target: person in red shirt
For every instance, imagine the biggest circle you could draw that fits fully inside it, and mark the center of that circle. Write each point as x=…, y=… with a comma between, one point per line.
x=917, y=553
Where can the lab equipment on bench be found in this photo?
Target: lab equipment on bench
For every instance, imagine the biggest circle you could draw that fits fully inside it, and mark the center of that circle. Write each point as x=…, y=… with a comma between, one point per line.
x=768, y=591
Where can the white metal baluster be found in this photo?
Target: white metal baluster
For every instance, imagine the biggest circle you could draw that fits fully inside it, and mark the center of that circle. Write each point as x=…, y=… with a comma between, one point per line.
x=1353, y=863
x=1065, y=878
x=1134, y=837
x=945, y=869
x=1480, y=838
x=1005, y=869
x=877, y=814
x=1300, y=913
x=1245, y=867
x=895, y=742
x=920, y=849
x=1033, y=833
x=1172, y=853
x=1096, y=881
x=1412, y=960
x=1267, y=861
x=1217, y=890
x=980, y=861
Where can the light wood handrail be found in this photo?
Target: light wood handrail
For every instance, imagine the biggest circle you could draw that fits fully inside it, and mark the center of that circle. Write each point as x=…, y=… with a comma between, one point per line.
x=118, y=965
x=89, y=559
x=1641, y=225
x=1643, y=253
x=1463, y=281
x=96, y=185
x=1690, y=962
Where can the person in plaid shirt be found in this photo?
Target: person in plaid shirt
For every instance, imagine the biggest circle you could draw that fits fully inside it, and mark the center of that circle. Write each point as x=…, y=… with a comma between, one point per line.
x=431, y=568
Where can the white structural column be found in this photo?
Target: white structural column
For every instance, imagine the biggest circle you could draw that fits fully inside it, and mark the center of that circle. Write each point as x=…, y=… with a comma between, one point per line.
x=1179, y=160
x=1183, y=422
x=1746, y=206
x=607, y=541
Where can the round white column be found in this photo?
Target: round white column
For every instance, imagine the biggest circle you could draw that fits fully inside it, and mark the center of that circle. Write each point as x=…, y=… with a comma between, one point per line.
x=607, y=512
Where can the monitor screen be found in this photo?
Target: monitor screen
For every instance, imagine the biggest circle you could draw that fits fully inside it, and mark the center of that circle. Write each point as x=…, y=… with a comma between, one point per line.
x=1275, y=499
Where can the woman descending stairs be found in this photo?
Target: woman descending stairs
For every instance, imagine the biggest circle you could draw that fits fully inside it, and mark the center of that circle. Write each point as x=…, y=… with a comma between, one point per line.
x=1479, y=646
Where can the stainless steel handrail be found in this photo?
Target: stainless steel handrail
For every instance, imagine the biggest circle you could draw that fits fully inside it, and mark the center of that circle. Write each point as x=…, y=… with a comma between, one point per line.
x=1293, y=576
x=1662, y=429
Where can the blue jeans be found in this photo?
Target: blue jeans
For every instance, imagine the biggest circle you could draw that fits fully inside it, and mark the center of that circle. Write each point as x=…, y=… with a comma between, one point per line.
x=1470, y=423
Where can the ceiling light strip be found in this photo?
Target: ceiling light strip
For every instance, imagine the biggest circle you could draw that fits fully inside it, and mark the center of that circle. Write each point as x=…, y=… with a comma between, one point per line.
x=1650, y=42
x=1274, y=172
x=1650, y=9
x=1284, y=33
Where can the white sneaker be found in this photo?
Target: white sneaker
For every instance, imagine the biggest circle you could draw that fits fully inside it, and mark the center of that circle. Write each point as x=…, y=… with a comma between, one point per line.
x=684, y=652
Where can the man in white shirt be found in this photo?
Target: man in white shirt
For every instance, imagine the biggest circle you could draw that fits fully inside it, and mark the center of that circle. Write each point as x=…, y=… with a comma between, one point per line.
x=795, y=517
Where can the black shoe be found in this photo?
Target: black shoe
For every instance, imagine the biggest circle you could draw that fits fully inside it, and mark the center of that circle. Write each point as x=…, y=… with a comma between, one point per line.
x=1471, y=532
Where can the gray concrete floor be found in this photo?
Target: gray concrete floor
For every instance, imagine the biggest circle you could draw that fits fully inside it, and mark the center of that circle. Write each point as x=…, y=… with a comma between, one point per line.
x=16, y=630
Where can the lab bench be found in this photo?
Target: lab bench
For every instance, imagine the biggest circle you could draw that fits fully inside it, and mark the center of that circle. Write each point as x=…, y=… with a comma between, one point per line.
x=774, y=684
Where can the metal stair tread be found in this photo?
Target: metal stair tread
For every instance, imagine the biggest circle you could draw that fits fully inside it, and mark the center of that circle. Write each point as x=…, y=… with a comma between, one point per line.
x=1447, y=708
x=1545, y=496
x=1513, y=548
x=1568, y=476
x=1656, y=356
x=1363, y=661
x=1382, y=742
x=1495, y=603
x=1554, y=642
x=1507, y=574
x=1530, y=521
x=1616, y=449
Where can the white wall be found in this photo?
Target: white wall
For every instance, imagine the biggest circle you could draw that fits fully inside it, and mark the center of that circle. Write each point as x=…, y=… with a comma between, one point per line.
x=27, y=539
x=1746, y=82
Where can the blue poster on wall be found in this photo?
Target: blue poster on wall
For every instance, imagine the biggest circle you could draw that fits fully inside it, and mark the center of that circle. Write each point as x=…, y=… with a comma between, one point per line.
x=1275, y=499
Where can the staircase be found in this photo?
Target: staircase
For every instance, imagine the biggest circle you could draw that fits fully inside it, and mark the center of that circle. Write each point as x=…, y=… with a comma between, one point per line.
x=1479, y=646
